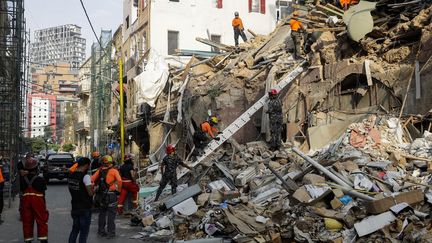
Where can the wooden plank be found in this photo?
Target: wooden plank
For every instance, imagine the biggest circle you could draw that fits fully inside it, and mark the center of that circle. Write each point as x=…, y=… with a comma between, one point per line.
x=368, y=72
x=335, y=29
x=417, y=80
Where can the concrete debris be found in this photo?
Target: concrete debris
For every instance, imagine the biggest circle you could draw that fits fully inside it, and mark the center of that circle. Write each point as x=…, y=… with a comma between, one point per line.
x=354, y=166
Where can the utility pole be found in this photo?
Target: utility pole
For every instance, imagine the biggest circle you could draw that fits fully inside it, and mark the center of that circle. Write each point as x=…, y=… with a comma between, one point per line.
x=121, y=112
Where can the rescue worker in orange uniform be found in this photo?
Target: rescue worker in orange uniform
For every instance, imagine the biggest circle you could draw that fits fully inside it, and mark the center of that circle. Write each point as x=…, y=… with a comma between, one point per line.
x=33, y=202
x=128, y=174
x=297, y=35
x=2, y=180
x=206, y=132
x=238, y=28
x=345, y=4
x=95, y=164
x=107, y=176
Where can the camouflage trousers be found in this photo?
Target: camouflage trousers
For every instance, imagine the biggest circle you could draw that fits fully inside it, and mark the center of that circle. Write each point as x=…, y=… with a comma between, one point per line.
x=275, y=133
x=167, y=178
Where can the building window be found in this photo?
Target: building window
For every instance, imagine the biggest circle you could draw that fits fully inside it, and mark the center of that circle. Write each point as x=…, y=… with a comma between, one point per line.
x=174, y=0
x=135, y=3
x=217, y=39
x=217, y=3
x=173, y=39
x=127, y=22
x=257, y=6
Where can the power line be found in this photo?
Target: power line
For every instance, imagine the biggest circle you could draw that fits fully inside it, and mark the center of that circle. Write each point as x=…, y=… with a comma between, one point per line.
x=91, y=25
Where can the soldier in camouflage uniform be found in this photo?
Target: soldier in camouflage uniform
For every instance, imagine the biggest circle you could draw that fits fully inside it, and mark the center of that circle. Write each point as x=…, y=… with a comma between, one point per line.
x=169, y=170
x=275, y=117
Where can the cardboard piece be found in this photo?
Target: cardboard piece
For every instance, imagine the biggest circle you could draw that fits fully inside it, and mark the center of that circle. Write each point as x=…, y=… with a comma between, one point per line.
x=374, y=223
x=382, y=205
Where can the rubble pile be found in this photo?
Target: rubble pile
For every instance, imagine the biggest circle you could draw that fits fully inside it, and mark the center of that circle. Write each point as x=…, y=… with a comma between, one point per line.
x=240, y=197
x=344, y=175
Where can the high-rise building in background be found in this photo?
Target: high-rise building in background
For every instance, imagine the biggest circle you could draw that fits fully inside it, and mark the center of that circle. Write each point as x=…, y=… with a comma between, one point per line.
x=58, y=44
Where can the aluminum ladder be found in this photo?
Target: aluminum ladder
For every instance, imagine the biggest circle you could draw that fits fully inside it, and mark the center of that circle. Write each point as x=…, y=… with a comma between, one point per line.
x=229, y=131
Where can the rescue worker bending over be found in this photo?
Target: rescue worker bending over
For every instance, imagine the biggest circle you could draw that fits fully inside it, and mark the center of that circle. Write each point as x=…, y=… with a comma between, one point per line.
x=33, y=202
x=207, y=131
x=275, y=117
x=109, y=184
x=128, y=174
x=297, y=35
x=169, y=170
x=237, y=25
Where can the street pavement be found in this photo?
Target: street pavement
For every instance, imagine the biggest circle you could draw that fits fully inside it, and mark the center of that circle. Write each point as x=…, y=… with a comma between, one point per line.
x=60, y=222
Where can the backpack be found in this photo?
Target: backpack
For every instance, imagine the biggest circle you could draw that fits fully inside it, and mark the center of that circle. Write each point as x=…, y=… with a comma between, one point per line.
x=101, y=193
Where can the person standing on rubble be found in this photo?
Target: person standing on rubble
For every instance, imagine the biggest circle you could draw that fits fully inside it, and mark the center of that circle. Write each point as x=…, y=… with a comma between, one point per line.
x=297, y=35
x=169, y=170
x=128, y=174
x=238, y=27
x=275, y=116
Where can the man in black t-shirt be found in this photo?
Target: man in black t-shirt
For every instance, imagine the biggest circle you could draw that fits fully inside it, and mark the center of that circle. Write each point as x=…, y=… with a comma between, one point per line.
x=128, y=175
x=81, y=190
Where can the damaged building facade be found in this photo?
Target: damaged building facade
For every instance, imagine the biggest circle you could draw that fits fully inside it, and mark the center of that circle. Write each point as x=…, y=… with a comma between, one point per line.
x=355, y=162
x=357, y=143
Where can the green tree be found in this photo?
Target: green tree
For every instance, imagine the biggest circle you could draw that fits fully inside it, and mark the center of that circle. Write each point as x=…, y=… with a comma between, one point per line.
x=68, y=147
x=37, y=144
x=54, y=147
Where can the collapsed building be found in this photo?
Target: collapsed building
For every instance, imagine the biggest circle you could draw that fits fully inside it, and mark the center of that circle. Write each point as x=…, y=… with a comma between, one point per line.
x=357, y=124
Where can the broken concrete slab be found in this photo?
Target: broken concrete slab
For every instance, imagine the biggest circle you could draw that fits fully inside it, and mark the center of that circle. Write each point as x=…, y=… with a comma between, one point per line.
x=374, y=223
x=183, y=195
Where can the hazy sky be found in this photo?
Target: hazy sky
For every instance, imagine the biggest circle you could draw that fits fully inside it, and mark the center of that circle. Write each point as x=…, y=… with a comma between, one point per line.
x=104, y=14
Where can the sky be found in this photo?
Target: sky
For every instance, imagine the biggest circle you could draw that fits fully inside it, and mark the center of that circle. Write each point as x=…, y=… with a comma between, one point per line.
x=104, y=14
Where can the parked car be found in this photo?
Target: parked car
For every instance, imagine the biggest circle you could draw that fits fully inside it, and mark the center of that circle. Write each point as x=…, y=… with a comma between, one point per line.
x=57, y=165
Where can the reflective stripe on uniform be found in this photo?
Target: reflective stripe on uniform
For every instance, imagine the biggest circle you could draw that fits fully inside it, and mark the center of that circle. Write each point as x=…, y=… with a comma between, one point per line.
x=29, y=239
x=32, y=194
x=43, y=238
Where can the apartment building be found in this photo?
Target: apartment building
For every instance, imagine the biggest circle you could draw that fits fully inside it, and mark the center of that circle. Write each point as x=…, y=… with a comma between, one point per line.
x=58, y=44
x=82, y=127
x=42, y=115
x=59, y=79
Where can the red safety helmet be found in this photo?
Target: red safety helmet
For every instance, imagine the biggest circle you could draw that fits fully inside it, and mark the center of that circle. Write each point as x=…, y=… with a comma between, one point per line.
x=273, y=92
x=30, y=163
x=170, y=149
x=128, y=157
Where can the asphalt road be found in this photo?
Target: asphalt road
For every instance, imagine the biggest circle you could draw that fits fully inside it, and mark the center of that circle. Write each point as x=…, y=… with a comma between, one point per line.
x=60, y=222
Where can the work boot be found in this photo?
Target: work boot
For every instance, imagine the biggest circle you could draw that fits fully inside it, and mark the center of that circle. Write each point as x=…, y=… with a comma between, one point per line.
x=43, y=241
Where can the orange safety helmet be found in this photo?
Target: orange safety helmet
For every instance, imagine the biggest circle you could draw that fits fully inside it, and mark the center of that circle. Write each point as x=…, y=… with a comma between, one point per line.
x=273, y=92
x=170, y=149
x=95, y=154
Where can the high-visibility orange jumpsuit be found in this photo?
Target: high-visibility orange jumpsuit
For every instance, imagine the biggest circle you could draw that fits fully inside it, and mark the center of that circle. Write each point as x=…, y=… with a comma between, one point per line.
x=128, y=186
x=34, y=208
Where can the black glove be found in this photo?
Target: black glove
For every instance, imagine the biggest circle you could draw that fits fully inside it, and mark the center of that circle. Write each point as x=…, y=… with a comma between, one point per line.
x=217, y=138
